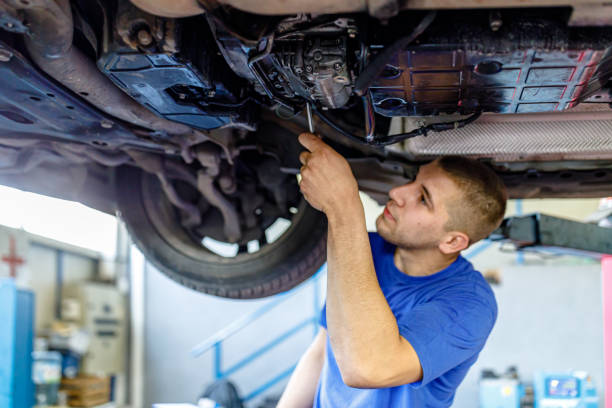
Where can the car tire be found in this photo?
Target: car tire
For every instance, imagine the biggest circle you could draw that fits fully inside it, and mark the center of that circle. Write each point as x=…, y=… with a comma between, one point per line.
x=277, y=267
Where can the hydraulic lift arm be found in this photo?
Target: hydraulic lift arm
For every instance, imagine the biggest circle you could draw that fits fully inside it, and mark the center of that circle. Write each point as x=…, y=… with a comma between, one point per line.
x=540, y=231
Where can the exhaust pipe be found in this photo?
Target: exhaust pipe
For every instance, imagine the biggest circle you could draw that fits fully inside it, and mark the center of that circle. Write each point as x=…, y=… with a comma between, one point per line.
x=50, y=46
x=188, y=8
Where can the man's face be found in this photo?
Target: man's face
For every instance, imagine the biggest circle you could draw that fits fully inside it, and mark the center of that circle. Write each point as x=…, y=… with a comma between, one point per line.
x=415, y=215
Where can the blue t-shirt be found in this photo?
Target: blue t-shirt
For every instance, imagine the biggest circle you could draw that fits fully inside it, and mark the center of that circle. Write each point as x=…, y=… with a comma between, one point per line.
x=446, y=317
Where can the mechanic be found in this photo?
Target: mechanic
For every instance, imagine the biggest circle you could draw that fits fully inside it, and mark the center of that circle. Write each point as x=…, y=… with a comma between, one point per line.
x=406, y=315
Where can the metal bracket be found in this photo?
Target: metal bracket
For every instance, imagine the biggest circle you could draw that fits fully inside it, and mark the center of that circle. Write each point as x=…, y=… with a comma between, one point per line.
x=545, y=231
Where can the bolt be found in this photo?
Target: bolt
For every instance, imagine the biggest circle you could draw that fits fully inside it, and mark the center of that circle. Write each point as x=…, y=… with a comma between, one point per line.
x=495, y=21
x=309, y=68
x=5, y=55
x=211, y=93
x=298, y=70
x=144, y=38
x=182, y=96
x=352, y=33
x=10, y=25
x=106, y=124
x=337, y=66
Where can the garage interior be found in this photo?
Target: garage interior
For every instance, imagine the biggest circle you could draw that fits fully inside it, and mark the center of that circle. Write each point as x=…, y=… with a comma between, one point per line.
x=104, y=328
x=194, y=285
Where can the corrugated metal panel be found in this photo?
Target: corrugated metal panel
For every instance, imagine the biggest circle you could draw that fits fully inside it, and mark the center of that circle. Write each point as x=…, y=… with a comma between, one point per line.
x=520, y=141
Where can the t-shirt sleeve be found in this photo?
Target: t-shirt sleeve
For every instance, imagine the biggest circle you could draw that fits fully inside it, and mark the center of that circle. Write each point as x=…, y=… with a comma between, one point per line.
x=444, y=334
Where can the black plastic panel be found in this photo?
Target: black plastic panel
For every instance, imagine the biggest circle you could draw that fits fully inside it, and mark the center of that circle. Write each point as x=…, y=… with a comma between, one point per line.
x=173, y=89
x=430, y=80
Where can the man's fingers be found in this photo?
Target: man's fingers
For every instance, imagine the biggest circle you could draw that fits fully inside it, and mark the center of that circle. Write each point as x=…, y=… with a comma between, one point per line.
x=304, y=157
x=310, y=141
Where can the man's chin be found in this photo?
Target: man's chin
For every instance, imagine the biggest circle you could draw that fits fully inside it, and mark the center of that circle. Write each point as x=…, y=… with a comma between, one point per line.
x=382, y=228
x=379, y=222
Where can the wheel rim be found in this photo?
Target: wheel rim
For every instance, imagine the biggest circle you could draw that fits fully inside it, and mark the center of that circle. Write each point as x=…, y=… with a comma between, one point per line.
x=164, y=218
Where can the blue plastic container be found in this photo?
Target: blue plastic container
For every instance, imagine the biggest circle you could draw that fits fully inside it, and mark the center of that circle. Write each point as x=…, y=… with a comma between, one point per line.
x=16, y=344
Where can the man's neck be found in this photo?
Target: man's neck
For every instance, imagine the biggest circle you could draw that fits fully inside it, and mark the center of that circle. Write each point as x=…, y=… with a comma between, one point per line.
x=421, y=262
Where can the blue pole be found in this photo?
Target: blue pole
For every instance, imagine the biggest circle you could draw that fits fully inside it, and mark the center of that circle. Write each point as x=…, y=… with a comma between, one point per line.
x=218, y=373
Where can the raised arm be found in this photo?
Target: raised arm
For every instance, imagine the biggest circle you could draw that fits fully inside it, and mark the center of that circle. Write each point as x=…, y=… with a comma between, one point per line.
x=363, y=331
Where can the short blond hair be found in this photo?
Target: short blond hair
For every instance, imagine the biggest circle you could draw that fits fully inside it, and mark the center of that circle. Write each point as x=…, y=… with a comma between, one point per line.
x=482, y=205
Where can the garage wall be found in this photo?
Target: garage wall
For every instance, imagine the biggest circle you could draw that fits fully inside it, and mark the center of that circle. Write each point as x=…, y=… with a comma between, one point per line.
x=42, y=263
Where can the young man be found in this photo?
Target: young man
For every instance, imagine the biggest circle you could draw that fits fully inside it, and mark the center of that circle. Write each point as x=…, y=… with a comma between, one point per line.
x=406, y=315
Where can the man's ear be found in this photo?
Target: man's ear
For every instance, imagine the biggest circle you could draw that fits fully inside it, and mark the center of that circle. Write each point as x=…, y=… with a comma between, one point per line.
x=453, y=242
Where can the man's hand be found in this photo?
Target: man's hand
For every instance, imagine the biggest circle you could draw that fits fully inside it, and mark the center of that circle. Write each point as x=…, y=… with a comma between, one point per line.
x=327, y=180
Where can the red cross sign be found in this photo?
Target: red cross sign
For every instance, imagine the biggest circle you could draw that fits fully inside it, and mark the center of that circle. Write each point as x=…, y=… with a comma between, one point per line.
x=12, y=259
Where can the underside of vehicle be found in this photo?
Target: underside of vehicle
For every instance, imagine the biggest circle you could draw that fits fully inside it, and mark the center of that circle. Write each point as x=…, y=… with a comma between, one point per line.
x=183, y=115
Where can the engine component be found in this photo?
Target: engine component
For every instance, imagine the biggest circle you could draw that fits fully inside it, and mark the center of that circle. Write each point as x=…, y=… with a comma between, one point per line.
x=323, y=64
x=143, y=60
x=302, y=60
x=311, y=68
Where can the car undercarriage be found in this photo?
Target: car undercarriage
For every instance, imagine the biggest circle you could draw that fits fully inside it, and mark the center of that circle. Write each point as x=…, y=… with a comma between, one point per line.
x=183, y=116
